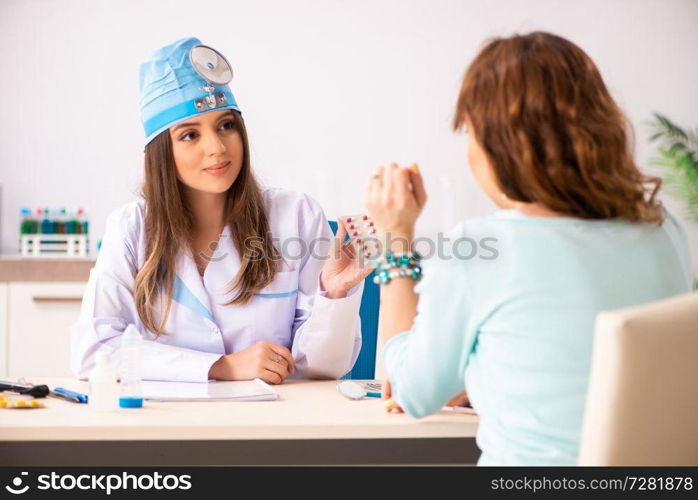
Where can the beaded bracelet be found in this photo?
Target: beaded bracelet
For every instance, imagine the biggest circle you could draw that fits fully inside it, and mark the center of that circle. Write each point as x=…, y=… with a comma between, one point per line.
x=401, y=259
x=397, y=266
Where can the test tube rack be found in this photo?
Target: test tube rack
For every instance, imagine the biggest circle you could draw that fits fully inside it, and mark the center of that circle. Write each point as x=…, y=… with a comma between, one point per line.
x=54, y=245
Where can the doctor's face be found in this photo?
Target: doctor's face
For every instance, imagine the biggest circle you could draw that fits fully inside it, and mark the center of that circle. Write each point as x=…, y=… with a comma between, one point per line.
x=208, y=151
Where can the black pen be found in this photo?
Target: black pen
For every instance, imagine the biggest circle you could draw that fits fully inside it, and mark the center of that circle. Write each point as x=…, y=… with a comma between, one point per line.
x=38, y=391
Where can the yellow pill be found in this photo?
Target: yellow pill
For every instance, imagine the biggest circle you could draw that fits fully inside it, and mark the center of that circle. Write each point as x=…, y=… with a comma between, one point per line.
x=21, y=402
x=36, y=404
x=3, y=404
x=415, y=168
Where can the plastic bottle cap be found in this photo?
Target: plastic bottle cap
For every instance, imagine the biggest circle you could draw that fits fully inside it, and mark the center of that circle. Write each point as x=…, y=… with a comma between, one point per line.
x=130, y=402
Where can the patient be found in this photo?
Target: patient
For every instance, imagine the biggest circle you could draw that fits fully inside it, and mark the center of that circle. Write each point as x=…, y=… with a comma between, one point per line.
x=580, y=230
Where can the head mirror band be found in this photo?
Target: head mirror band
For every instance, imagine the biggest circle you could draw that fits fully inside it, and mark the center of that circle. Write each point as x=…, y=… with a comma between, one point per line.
x=162, y=121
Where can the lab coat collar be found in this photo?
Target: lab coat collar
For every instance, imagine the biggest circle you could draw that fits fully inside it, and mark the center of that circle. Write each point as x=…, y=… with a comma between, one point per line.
x=221, y=271
x=189, y=287
x=195, y=291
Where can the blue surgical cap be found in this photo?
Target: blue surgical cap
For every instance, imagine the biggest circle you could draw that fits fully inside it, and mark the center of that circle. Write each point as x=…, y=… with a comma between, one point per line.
x=170, y=87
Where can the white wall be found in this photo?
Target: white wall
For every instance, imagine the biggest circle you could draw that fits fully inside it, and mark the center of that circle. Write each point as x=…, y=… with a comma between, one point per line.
x=328, y=88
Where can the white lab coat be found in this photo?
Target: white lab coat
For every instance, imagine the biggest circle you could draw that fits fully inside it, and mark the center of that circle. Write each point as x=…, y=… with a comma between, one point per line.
x=324, y=335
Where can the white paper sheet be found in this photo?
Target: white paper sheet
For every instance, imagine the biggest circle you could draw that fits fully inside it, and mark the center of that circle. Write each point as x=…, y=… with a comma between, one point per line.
x=246, y=390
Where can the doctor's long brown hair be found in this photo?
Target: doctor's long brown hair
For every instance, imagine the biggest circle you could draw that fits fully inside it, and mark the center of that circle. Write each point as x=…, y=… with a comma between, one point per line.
x=169, y=223
x=552, y=132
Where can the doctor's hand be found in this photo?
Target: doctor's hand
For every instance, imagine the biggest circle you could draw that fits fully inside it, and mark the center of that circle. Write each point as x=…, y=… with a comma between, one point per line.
x=395, y=198
x=266, y=360
x=343, y=270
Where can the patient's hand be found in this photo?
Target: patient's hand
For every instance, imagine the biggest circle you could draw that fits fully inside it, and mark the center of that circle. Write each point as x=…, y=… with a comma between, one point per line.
x=460, y=400
x=389, y=404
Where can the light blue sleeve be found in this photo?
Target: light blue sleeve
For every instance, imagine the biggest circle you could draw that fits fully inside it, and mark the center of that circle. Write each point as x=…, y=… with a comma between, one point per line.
x=426, y=365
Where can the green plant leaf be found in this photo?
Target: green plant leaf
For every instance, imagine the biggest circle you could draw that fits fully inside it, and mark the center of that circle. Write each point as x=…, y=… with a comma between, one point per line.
x=677, y=156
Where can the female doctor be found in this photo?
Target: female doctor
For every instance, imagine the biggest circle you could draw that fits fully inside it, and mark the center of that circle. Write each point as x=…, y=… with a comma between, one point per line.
x=225, y=279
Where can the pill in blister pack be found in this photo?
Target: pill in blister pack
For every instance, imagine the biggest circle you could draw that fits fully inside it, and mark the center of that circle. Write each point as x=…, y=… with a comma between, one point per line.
x=363, y=234
x=19, y=402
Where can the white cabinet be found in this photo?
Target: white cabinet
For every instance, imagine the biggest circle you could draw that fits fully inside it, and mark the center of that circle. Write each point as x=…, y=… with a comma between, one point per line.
x=39, y=316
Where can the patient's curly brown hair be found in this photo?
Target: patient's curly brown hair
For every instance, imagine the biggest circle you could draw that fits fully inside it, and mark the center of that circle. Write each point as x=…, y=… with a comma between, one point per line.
x=552, y=132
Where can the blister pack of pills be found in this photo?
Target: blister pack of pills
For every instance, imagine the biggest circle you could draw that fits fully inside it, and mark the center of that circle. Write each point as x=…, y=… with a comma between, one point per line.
x=20, y=402
x=362, y=230
x=362, y=233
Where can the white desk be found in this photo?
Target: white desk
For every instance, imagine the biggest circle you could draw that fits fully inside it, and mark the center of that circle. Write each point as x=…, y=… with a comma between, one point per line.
x=311, y=423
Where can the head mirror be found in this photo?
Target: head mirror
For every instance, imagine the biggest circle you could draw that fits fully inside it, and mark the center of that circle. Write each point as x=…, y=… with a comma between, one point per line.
x=351, y=390
x=211, y=65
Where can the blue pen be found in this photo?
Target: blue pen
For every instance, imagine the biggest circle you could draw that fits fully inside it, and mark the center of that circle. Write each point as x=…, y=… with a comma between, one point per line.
x=75, y=397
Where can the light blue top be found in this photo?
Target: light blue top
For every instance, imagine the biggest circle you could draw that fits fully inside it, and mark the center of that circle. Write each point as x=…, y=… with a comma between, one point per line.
x=514, y=324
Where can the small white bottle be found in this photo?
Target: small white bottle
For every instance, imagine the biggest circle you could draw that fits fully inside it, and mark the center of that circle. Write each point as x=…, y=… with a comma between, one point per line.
x=104, y=389
x=130, y=369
